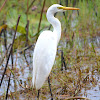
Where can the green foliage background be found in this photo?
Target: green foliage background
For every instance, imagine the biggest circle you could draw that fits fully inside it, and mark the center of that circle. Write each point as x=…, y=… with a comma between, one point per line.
x=87, y=23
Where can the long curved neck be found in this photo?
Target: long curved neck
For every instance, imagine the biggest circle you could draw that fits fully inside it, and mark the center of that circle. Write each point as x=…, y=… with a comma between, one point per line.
x=55, y=23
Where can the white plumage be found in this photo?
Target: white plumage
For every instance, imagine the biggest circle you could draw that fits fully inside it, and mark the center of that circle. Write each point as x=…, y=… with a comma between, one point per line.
x=46, y=48
x=43, y=57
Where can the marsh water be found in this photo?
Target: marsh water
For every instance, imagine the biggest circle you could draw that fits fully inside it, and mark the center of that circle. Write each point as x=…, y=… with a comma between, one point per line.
x=23, y=71
x=80, y=46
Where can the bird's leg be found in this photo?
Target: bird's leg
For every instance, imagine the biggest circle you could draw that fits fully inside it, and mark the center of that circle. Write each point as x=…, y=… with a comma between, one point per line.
x=38, y=94
x=50, y=88
x=63, y=61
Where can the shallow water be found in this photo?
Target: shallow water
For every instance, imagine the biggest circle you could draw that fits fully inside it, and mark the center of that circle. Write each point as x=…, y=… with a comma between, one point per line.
x=94, y=92
x=23, y=70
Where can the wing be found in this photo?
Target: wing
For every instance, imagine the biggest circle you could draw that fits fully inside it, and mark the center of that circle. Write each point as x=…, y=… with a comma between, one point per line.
x=43, y=57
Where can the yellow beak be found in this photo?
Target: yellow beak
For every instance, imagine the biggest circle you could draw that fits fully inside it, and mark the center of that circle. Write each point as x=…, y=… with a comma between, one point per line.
x=68, y=8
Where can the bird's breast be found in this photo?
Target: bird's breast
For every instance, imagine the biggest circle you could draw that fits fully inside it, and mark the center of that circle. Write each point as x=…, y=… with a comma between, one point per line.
x=45, y=51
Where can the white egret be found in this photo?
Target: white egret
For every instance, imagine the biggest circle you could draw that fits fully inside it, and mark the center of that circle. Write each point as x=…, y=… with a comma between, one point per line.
x=46, y=47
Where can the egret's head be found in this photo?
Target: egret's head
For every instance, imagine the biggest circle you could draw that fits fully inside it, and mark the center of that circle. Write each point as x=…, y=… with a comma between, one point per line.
x=59, y=8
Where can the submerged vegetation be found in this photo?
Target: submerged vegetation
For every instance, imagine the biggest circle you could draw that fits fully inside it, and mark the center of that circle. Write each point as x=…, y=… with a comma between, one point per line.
x=78, y=50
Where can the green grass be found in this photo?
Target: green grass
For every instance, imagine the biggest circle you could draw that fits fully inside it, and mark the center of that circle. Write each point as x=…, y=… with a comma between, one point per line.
x=81, y=58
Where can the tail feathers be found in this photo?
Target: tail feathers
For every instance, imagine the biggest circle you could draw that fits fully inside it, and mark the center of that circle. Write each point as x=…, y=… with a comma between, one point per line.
x=33, y=81
x=37, y=82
